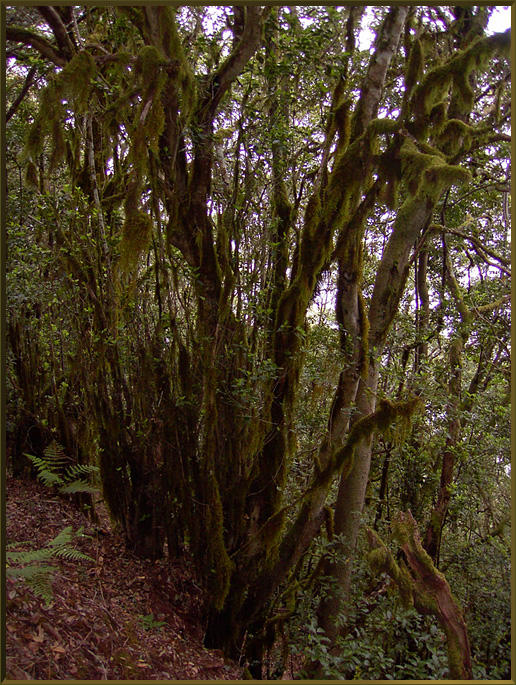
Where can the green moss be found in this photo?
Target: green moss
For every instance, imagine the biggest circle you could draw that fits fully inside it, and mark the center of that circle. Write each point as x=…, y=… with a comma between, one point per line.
x=413, y=163
x=343, y=121
x=136, y=237
x=329, y=522
x=383, y=126
x=220, y=565
x=381, y=419
x=434, y=87
x=455, y=659
x=75, y=80
x=364, y=335
x=272, y=530
x=59, y=145
x=431, y=90
x=35, y=138
x=31, y=175
x=381, y=560
x=414, y=66
x=378, y=559
x=312, y=213
x=438, y=114
x=390, y=192
x=427, y=172
x=148, y=64
x=456, y=135
x=439, y=177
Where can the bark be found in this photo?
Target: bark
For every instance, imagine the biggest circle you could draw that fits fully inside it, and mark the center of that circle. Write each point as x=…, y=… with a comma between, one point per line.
x=39, y=43
x=29, y=80
x=53, y=19
x=421, y=584
x=433, y=535
x=385, y=47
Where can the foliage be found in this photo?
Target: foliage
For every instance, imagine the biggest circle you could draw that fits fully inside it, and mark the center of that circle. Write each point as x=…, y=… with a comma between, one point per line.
x=55, y=470
x=246, y=250
x=150, y=623
x=32, y=567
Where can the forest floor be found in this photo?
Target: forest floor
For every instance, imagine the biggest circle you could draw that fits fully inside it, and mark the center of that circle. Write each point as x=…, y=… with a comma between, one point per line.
x=117, y=617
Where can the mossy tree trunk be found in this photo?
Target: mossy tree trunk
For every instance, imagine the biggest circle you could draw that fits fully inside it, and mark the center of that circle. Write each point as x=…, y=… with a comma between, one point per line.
x=193, y=366
x=421, y=585
x=426, y=181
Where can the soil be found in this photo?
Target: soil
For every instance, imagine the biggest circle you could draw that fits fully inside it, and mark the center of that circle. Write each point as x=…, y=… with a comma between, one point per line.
x=116, y=617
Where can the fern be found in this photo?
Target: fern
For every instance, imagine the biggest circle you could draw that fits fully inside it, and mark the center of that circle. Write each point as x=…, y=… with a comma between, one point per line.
x=61, y=545
x=34, y=568
x=55, y=469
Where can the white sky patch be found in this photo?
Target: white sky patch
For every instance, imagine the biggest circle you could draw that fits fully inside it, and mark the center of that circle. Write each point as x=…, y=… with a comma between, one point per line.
x=366, y=37
x=500, y=20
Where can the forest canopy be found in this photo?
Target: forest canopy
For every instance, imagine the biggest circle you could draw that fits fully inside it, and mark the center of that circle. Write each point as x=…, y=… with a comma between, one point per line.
x=258, y=274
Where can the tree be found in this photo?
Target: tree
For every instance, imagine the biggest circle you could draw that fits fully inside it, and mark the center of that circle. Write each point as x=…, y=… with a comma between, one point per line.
x=194, y=206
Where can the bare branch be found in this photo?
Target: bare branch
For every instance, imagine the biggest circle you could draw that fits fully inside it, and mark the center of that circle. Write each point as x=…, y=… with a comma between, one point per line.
x=39, y=43
x=26, y=86
x=55, y=22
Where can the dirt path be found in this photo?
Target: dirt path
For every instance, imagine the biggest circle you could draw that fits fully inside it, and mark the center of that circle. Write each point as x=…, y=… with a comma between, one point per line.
x=105, y=619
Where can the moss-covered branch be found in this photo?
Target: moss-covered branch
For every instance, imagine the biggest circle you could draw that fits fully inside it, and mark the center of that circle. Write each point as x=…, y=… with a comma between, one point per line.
x=421, y=584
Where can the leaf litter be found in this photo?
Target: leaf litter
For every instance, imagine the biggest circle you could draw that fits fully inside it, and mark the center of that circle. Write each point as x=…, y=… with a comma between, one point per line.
x=117, y=617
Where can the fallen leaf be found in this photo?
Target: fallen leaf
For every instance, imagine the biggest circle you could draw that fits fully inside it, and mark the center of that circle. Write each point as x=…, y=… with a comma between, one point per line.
x=40, y=636
x=58, y=648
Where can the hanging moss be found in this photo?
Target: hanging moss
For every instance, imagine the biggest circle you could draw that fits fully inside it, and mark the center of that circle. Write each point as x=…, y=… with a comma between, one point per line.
x=439, y=177
x=414, y=66
x=185, y=76
x=380, y=420
x=75, y=80
x=433, y=89
x=59, y=145
x=435, y=85
x=148, y=66
x=428, y=173
x=438, y=114
x=35, y=138
x=31, y=175
x=384, y=125
x=413, y=163
x=74, y=83
x=381, y=560
x=390, y=192
x=136, y=237
x=456, y=135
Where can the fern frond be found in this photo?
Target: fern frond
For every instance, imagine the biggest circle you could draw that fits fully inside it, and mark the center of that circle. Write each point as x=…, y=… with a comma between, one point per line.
x=46, y=471
x=63, y=538
x=72, y=554
x=55, y=454
x=28, y=556
x=61, y=546
x=38, y=578
x=29, y=572
x=77, y=486
x=55, y=469
x=79, y=470
x=33, y=571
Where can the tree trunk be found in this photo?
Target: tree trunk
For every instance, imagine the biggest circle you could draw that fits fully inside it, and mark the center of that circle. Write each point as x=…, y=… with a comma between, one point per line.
x=422, y=585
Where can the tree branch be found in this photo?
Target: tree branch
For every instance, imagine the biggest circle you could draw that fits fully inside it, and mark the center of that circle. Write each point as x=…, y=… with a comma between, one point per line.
x=372, y=88
x=39, y=43
x=55, y=22
x=249, y=42
x=28, y=83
